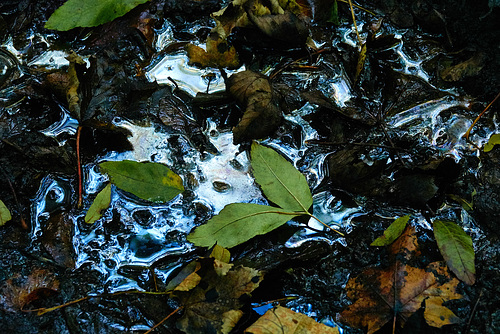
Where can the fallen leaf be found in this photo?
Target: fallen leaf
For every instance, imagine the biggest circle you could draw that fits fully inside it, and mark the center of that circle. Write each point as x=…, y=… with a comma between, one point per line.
x=262, y=115
x=150, y=181
x=89, y=13
x=72, y=93
x=279, y=180
x=101, y=203
x=18, y=291
x=239, y=222
x=456, y=247
x=57, y=239
x=213, y=306
x=286, y=27
x=392, y=232
x=395, y=293
x=285, y=321
x=218, y=54
x=221, y=254
x=468, y=68
x=5, y=215
x=494, y=140
x=361, y=62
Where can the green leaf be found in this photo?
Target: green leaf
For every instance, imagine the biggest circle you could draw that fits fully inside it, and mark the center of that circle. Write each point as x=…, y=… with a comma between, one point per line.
x=147, y=180
x=89, y=13
x=239, y=222
x=392, y=232
x=281, y=183
x=494, y=140
x=456, y=247
x=5, y=215
x=101, y=203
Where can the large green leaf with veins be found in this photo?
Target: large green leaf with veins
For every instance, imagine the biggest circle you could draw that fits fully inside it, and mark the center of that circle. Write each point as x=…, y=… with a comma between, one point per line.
x=239, y=222
x=281, y=183
x=151, y=181
x=89, y=13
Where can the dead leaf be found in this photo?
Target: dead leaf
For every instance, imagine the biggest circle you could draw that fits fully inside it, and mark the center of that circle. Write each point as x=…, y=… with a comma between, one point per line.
x=57, y=239
x=468, y=68
x=18, y=291
x=395, y=293
x=218, y=54
x=284, y=27
x=254, y=92
x=212, y=306
x=285, y=321
x=72, y=92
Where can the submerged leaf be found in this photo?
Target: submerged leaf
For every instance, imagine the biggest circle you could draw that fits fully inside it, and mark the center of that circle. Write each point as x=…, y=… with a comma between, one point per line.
x=456, y=247
x=218, y=54
x=89, y=13
x=392, y=232
x=101, y=203
x=151, y=181
x=285, y=321
x=237, y=223
x=5, y=215
x=280, y=181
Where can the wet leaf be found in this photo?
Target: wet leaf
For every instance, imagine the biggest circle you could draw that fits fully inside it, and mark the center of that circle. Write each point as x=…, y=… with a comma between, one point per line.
x=284, y=27
x=218, y=54
x=262, y=115
x=395, y=293
x=5, y=215
x=285, y=321
x=361, y=62
x=89, y=13
x=18, y=291
x=57, y=239
x=221, y=254
x=392, y=232
x=494, y=140
x=72, y=94
x=213, y=305
x=151, y=181
x=239, y=222
x=468, y=68
x=101, y=203
x=456, y=247
x=280, y=181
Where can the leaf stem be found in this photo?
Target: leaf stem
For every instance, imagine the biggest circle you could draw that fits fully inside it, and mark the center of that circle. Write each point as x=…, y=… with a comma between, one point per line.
x=322, y=223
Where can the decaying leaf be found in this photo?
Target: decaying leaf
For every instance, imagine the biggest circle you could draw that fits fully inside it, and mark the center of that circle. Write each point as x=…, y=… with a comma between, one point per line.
x=286, y=27
x=72, y=93
x=279, y=180
x=395, y=293
x=239, y=222
x=262, y=115
x=494, y=140
x=361, y=62
x=470, y=67
x=89, y=13
x=392, y=232
x=151, y=181
x=101, y=203
x=18, y=291
x=57, y=239
x=456, y=247
x=285, y=321
x=218, y=54
x=5, y=215
x=213, y=305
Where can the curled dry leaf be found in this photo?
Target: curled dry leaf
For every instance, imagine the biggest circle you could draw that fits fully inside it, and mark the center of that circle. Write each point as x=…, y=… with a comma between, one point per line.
x=262, y=115
x=395, y=293
x=18, y=291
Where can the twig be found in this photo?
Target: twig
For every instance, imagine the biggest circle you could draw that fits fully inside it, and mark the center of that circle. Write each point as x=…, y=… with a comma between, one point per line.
x=328, y=143
x=467, y=134
x=467, y=329
x=164, y=319
x=359, y=7
x=290, y=63
x=355, y=24
x=79, y=167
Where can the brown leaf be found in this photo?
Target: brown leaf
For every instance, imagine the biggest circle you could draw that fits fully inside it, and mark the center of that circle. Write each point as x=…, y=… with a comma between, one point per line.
x=213, y=305
x=284, y=27
x=468, y=68
x=18, y=291
x=262, y=115
x=218, y=54
x=57, y=239
x=285, y=321
x=395, y=293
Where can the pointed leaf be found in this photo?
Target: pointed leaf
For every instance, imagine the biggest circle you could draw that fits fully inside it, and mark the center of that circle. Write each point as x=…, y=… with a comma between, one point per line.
x=5, y=215
x=456, y=247
x=494, y=140
x=280, y=181
x=89, y=13
x=392, y=232
x=150, y=181
x=101, y=203
x=237, y=223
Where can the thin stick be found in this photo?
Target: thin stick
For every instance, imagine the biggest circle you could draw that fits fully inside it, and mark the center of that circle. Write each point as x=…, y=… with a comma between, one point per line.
x=164, y=319
x=467, y=329
x=467, y=134
x=359, y=7
x=79, y=167
x=328, y=143
x=326, y=225
x=355, y=24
